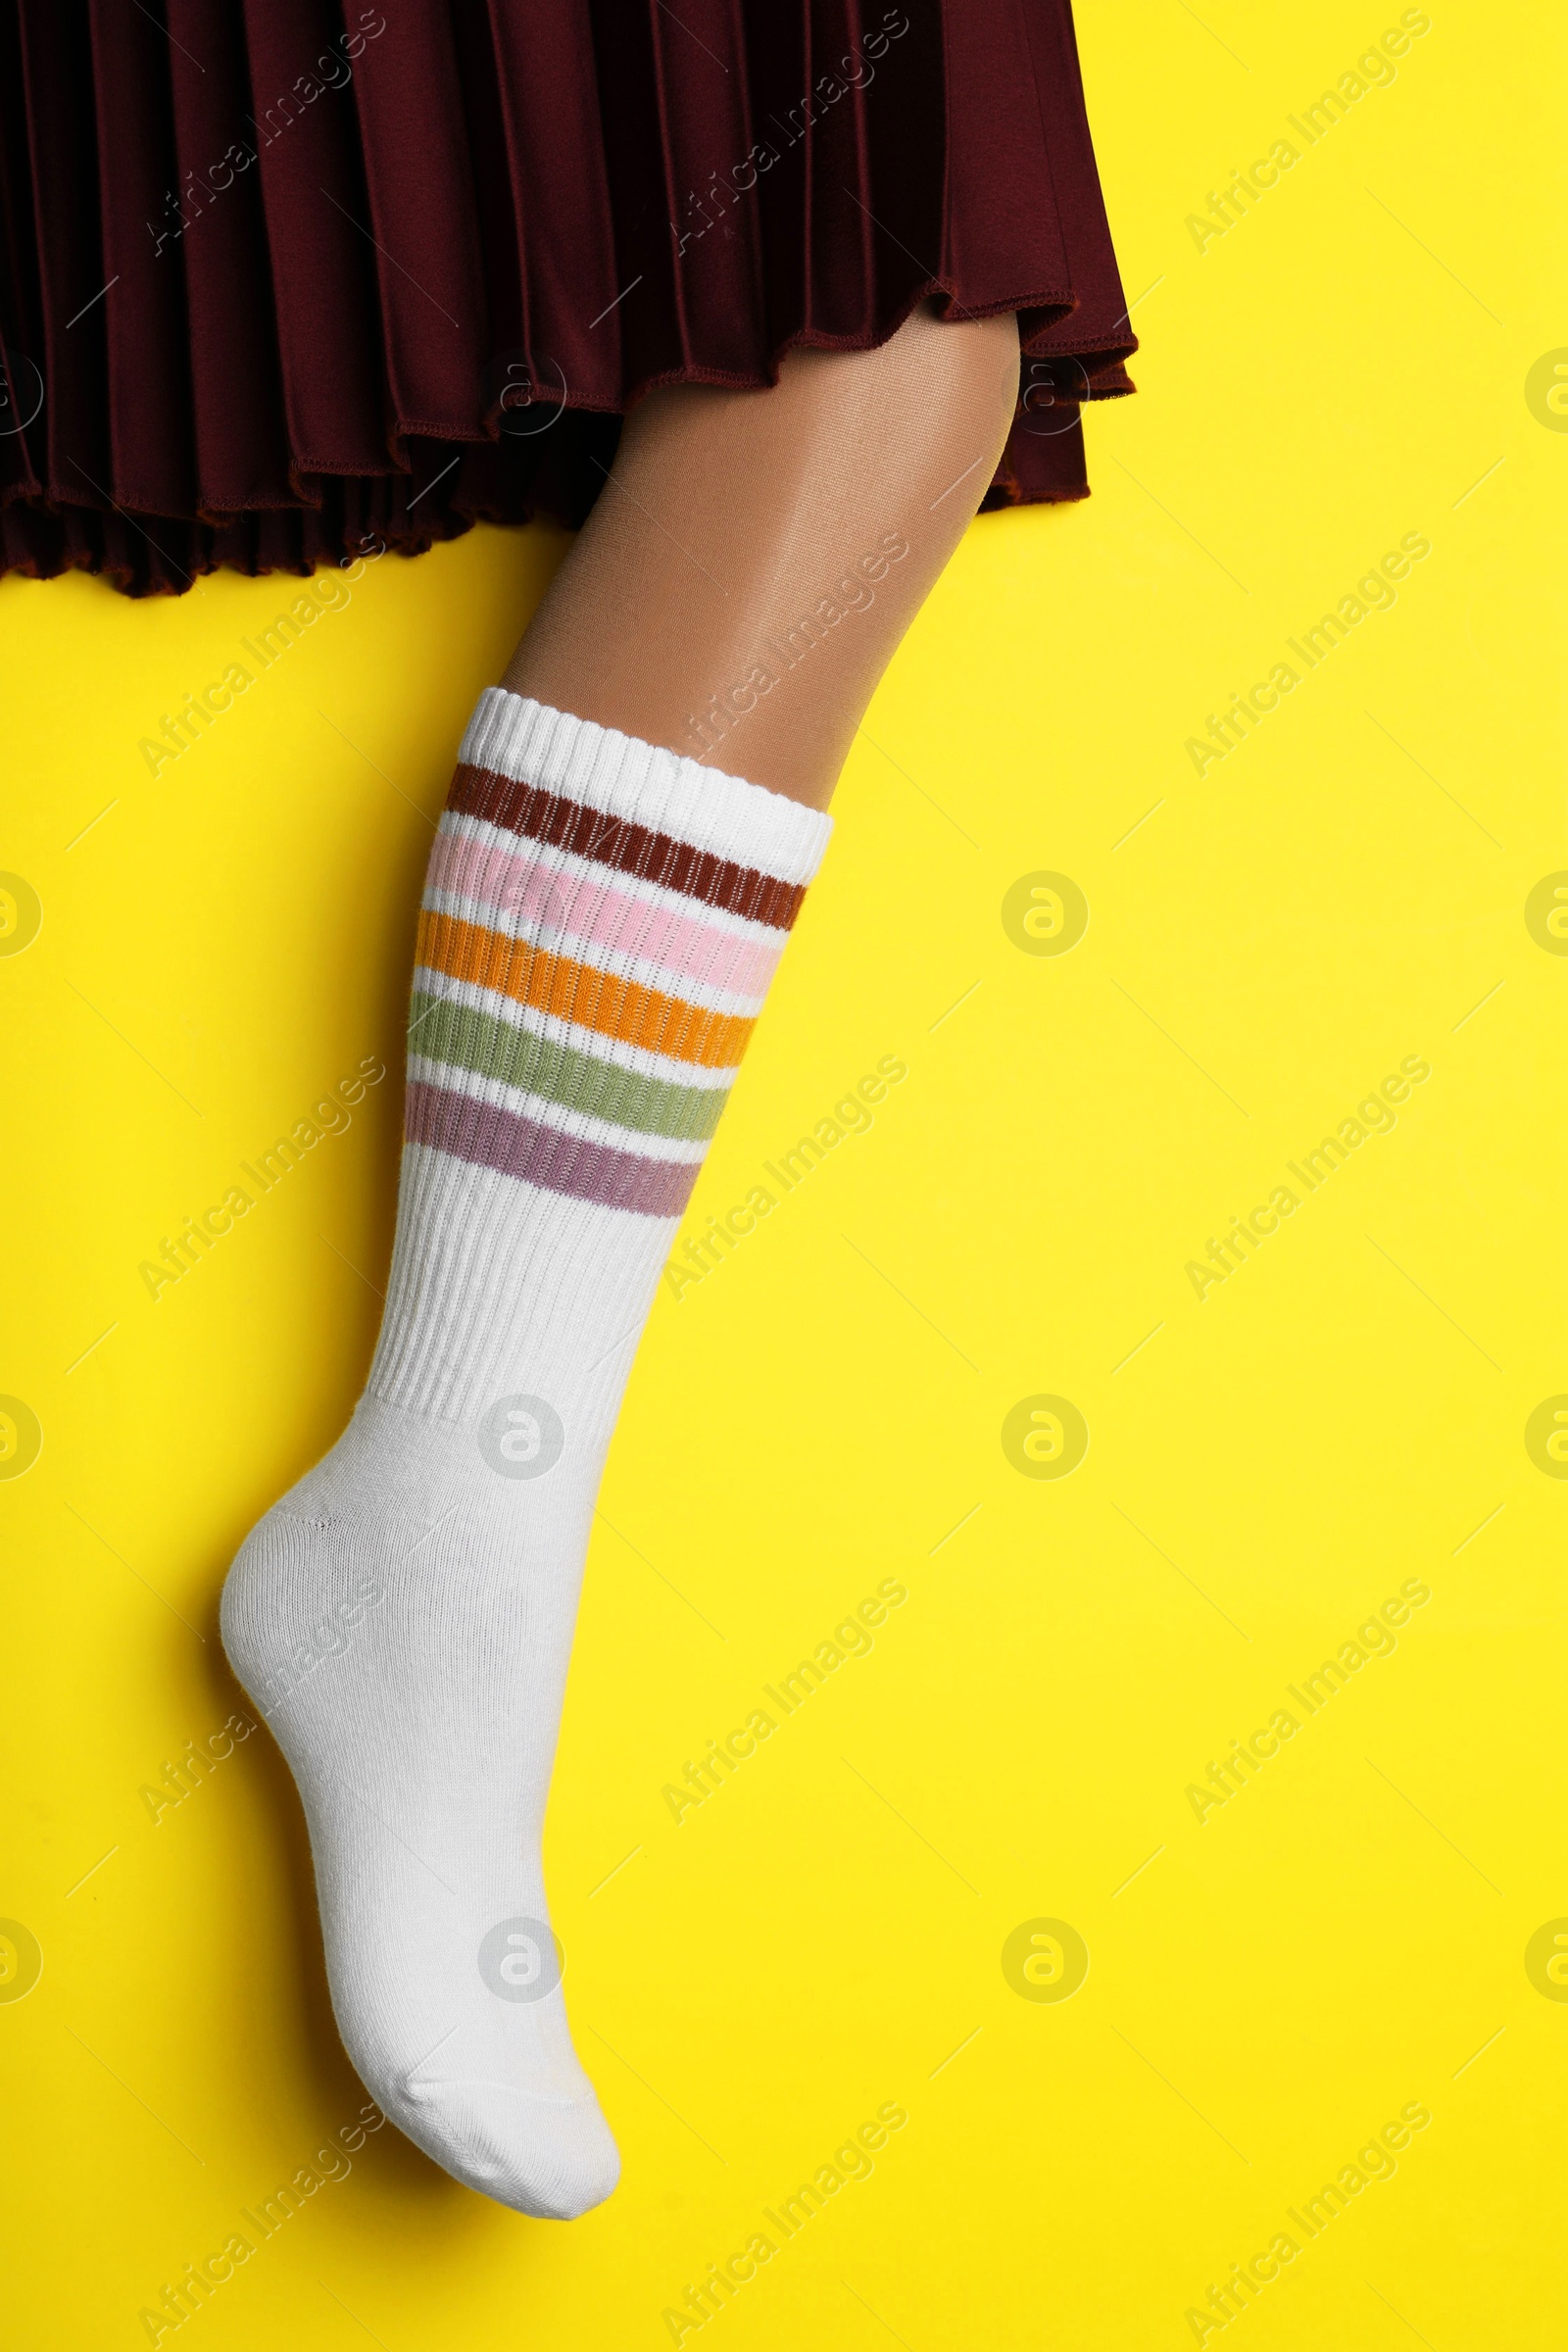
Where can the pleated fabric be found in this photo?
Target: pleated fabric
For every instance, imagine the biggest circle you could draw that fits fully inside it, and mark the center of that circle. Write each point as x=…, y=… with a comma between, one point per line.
x=284, y=280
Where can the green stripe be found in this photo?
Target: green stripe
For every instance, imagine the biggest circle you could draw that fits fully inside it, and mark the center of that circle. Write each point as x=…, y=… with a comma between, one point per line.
x=442, y=1031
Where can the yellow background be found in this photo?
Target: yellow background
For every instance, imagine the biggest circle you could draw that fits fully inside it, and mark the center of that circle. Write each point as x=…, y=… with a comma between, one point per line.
x=1266, y=1987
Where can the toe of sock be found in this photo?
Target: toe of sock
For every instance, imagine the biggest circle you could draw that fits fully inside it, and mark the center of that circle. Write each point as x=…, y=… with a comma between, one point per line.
x=552, y=2158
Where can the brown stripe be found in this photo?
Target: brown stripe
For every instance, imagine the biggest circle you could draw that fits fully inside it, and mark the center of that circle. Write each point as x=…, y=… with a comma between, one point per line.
x=535, y=815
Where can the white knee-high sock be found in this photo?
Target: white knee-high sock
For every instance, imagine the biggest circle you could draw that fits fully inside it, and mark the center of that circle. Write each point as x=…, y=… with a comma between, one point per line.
x=601, y=921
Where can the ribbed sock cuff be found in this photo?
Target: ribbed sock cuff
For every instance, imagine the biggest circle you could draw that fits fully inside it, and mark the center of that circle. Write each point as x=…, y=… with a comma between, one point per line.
x=620, y=777
x=602, y=918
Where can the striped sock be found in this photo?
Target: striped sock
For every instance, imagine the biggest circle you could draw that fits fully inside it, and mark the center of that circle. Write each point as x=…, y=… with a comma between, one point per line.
x=601, y=921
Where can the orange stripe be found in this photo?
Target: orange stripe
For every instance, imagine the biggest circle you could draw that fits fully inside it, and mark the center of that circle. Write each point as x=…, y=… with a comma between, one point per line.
x=575, y=992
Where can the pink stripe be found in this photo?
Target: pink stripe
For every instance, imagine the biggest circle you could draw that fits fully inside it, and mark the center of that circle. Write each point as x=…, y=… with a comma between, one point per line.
x=527, y=882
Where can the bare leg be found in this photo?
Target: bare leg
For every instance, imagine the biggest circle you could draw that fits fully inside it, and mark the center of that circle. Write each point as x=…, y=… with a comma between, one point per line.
x=732, y=519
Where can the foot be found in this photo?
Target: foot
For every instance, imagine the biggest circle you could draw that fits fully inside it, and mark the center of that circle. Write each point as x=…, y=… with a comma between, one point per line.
x=402, y=1620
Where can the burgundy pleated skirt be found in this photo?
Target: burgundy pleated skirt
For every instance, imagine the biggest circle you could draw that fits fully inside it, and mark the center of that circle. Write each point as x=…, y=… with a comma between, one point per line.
x=281, y=279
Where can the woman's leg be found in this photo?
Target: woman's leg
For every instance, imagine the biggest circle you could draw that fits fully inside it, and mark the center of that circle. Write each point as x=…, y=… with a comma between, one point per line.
x=751, y=567
x=600, y=920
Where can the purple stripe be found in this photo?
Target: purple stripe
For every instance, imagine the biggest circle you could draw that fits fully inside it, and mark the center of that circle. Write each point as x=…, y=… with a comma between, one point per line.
x=493, y=1138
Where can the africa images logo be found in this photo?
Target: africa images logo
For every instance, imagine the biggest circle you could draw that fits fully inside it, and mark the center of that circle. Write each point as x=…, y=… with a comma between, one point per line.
x=522, y=1436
